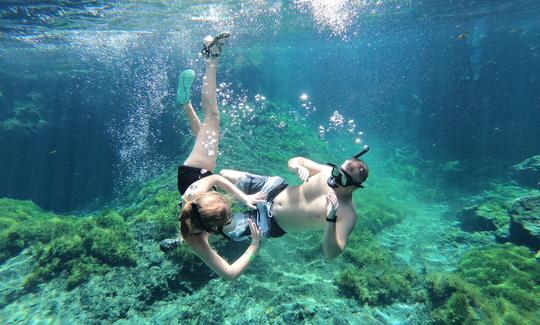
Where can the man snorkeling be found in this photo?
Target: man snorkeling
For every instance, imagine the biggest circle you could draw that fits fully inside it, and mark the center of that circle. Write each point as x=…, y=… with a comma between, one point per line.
x=322, y=202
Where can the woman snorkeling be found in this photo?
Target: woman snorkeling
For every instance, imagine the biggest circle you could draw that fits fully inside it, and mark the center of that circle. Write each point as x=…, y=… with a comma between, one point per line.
x=205, y=211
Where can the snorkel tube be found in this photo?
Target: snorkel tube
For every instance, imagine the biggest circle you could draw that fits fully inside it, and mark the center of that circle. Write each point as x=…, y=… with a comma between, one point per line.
x=364, y=150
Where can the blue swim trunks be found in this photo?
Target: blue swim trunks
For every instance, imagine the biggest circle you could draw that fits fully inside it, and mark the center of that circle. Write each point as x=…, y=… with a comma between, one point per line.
x=250, y=184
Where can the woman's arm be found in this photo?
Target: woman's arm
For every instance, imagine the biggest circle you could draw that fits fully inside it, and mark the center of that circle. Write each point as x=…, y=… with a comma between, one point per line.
x=249, y=200
x=214, y=261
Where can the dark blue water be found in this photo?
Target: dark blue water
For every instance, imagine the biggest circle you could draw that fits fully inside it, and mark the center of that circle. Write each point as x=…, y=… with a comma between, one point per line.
x=87, y=87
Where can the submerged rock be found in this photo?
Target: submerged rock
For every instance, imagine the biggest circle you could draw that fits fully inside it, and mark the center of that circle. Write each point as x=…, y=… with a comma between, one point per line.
x=527, y=172
x=488, y=211
x=485, y=217
x=525, y=222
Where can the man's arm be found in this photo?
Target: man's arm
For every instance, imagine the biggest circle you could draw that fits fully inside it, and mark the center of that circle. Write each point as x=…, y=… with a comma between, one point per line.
x=336, y=233
x=304, y=167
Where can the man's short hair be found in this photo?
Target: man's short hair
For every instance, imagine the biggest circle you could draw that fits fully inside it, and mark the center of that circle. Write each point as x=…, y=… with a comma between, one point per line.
x=362, y=169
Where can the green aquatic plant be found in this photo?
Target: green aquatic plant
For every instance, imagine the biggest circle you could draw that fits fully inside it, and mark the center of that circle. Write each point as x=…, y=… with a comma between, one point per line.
x=374, y=277
x=96, y=243
x=488, y=211
x=275, y=133
x=76, y=246
x=499, y=284
x=25, y=117
x=23, y=224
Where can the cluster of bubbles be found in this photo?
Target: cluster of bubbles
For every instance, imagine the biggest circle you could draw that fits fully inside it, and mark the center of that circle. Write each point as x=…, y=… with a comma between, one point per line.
x=306, y=105
x=238, y=104
x=135, y=139
x=338, y=16
x=337, y=123
x=210, y=142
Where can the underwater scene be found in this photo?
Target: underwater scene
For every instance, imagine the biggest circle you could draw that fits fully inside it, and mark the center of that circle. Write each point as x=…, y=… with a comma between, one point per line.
x=132, y=134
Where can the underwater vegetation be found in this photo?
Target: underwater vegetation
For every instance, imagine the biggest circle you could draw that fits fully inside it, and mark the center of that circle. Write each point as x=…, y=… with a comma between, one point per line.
x=527, y=172
x=77, y=247
x=24, y=117
x=488, y=211
x=375, y=278
x=511, y=212
x=499, y=284
x=110, y=261
x=269, y=134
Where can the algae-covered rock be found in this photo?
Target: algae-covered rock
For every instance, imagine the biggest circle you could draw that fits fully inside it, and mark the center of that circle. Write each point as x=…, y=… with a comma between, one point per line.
x=489, y=216
x=25, y=116
x=76, y=247
x=525, y=222
x=374, y=279
x=499, y=284
x=488, y=211
x=527, y=172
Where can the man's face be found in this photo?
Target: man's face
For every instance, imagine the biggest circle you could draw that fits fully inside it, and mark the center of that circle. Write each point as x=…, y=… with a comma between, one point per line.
x=348, y=166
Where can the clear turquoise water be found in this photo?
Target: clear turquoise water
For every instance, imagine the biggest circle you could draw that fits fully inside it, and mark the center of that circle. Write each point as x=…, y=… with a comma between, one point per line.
x=86, y=96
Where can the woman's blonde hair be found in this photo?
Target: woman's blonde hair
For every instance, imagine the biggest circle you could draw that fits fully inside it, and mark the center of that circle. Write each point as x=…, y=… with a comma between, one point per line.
x=208, y=212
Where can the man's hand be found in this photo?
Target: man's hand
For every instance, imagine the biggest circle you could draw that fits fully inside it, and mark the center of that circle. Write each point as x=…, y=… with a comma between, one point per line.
x=303, y=173
x=252, y=199
x=332, y=204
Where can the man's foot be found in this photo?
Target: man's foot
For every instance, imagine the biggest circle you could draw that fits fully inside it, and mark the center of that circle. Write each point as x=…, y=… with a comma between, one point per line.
x=169, y=244
x=212, y=46
x=185, y=80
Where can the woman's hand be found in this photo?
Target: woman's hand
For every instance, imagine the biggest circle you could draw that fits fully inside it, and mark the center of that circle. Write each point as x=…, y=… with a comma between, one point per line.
x=255, y=232
x=253, y=199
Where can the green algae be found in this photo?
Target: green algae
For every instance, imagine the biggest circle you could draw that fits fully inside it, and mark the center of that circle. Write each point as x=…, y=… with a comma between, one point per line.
x=25, y=116
x=374, y=277
x=488, y=211
x=498, y=284
x=75, y=246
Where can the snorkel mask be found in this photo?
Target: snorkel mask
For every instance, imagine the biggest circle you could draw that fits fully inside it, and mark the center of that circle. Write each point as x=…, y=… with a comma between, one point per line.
x=196, y=217
x=339, y=177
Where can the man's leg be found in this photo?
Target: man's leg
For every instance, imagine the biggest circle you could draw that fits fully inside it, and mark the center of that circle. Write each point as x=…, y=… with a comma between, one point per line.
x=251, y=183
x=231, y=175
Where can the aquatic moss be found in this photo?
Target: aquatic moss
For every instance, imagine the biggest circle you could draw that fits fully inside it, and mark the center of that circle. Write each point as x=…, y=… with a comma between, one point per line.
x=155, y=217
x=487, y=211
x=275, y=133
x=374, y=279
x=25, y=224
x=97, y=243
x=25, y=117
x=75, y=246
x=499, y=284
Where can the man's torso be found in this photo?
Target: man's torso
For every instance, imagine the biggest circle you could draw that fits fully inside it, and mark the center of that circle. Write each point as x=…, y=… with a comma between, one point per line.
x=303, y=207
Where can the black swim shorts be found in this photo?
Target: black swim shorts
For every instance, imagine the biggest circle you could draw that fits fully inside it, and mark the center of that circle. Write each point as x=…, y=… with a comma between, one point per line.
x=188, y=175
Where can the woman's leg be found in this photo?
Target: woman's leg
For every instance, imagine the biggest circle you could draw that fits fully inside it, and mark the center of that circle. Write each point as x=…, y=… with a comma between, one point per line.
x=194, y=121
x=205, y=149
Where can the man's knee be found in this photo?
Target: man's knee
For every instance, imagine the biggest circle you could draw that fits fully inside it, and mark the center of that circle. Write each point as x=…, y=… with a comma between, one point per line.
x=232, y=175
